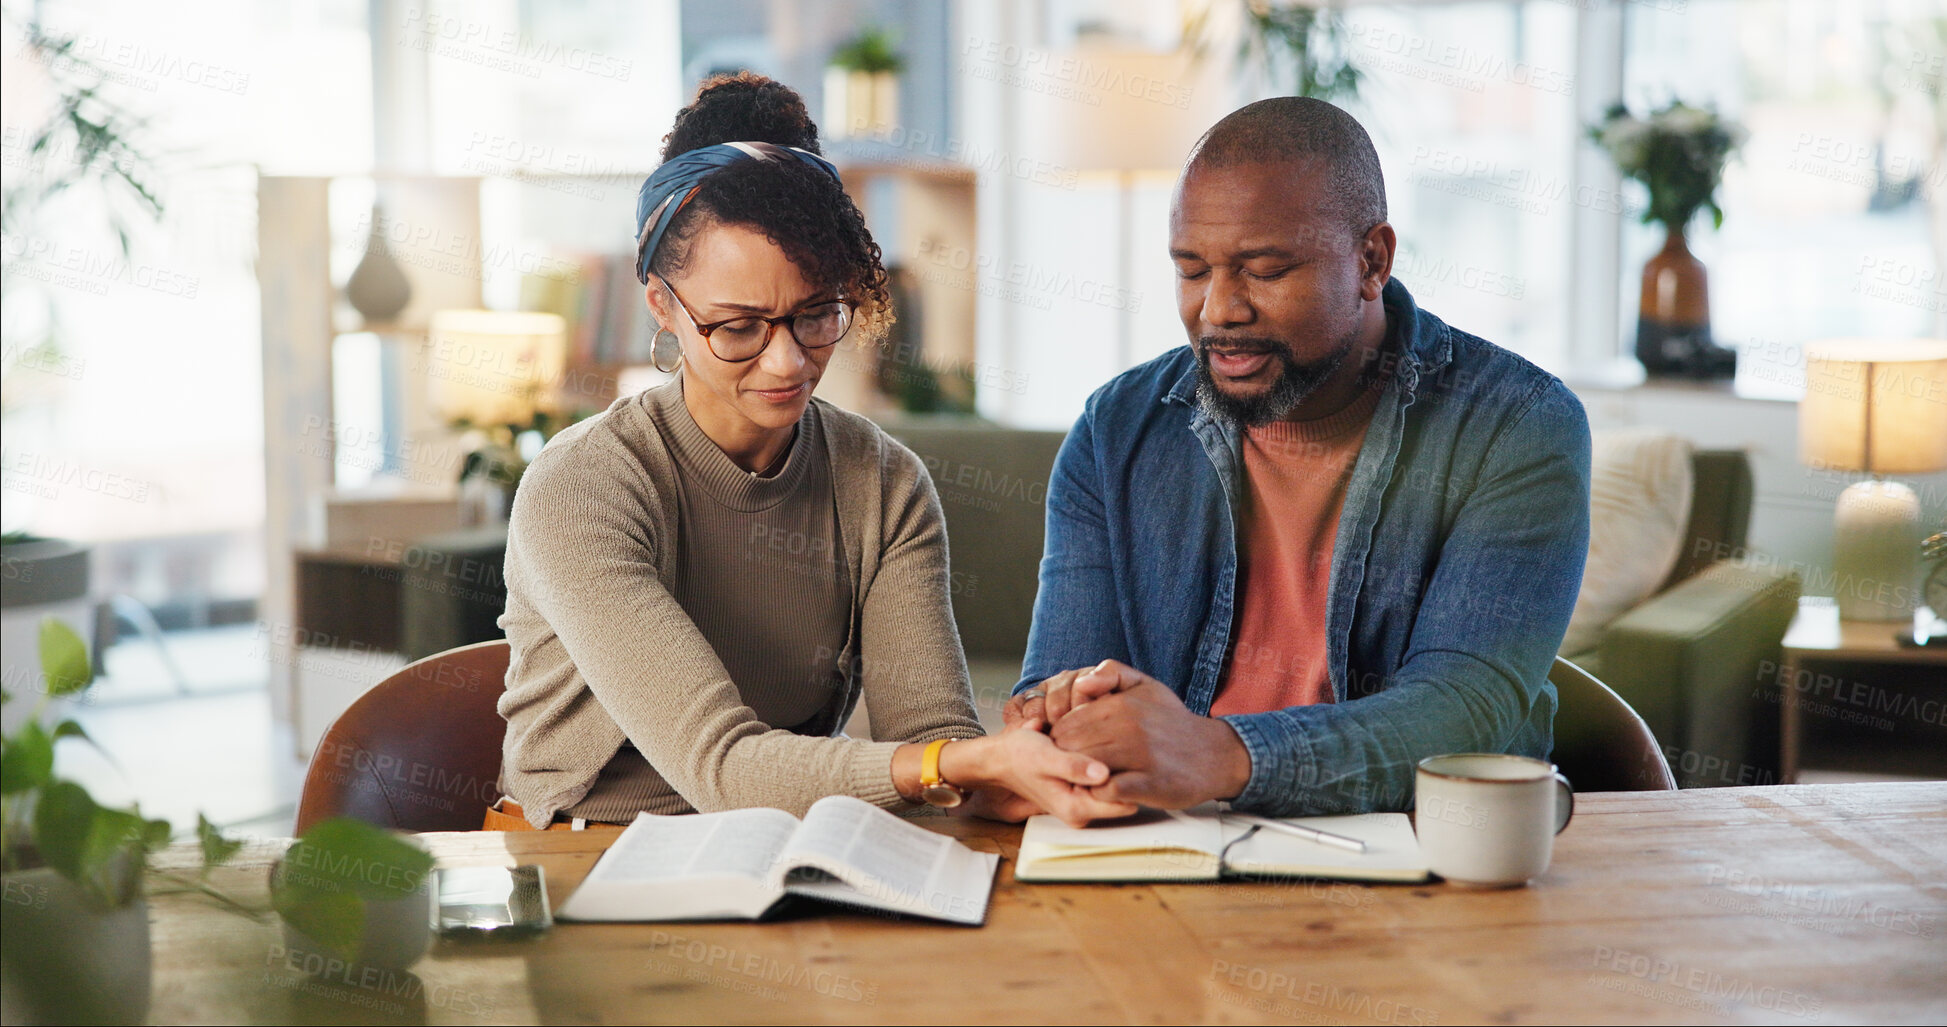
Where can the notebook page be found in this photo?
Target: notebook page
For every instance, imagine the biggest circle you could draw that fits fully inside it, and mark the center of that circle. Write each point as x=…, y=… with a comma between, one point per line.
x=1147, y=830
x=1151, y=845
x=1392, y=852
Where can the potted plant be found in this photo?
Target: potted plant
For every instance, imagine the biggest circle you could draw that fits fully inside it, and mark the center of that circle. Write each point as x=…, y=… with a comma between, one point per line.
x=1301, y=49
x=39, y=578
x=1678, y=153
x=74, y=947
x=353, y=896
x=862, y=86
x=498, y=456
x=87, y=144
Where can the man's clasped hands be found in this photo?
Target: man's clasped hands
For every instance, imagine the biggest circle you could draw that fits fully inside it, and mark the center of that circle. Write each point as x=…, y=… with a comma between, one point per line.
x=1132, y=743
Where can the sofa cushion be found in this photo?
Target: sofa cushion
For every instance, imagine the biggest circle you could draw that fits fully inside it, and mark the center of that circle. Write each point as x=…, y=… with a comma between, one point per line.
x=1639, y=503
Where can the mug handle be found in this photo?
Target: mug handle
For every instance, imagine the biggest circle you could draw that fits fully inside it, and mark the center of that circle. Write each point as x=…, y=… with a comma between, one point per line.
x=1565, y=804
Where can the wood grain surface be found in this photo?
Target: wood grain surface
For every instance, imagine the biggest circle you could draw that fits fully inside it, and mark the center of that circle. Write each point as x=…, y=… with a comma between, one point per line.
x=1792, y=904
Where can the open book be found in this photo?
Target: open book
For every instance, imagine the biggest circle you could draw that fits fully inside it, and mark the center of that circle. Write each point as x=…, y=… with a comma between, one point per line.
x=737, y=865
x=1203, y=845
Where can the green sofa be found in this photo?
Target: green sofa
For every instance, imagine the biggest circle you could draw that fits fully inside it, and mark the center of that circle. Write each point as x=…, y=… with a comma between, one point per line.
x=1691, y=659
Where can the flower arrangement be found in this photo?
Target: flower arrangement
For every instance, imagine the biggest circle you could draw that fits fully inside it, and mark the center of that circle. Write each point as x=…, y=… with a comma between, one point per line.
x=1678, y=153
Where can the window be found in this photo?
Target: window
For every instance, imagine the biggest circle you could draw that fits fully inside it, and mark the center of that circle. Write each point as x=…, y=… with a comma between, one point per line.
x=1826, y=213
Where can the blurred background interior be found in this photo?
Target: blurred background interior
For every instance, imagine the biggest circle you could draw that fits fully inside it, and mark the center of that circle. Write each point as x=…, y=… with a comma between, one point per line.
x=293, y=290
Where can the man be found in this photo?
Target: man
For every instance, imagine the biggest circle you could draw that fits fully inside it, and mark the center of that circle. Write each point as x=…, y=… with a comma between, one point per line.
x=1329, y=537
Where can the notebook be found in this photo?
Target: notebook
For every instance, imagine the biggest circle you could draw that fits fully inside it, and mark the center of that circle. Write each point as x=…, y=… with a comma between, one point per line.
x=739, y=864
x=1203, y=845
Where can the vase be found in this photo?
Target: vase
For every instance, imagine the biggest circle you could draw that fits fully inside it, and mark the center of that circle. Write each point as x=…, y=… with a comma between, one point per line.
x=66, y=961
x=394, y=933
x=860, y=103
x=378, y=288
x=1673, y=319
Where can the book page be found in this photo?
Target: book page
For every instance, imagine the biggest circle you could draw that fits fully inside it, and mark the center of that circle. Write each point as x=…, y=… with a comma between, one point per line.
x=875, y=859
x=686, y=867
x=738, y=843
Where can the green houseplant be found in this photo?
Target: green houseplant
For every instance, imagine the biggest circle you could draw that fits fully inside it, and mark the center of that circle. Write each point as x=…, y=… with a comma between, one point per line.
x=1678, y=153
x=499, y=454
x=87, y=143
x=354, y=893
x=75, y=943
x=1299, y=49
x=862, y=85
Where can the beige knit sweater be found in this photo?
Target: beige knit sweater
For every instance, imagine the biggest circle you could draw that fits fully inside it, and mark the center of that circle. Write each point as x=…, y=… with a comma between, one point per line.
x=603, y=652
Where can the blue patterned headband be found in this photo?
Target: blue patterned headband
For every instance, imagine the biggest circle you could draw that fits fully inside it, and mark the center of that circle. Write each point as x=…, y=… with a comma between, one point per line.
x=658, y=201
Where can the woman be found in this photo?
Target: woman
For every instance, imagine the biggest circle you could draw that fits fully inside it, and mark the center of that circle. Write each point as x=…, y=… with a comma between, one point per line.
x=704, y=580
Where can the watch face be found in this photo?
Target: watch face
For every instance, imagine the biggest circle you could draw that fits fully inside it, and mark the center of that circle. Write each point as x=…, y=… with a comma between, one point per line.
x=943, y=795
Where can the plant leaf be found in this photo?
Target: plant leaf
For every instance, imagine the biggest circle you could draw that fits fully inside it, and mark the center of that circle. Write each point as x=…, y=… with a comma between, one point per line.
x=334, y=920
x=101, y=849
x=64, y=658
x=155, y=834
x=64, y=818
x=217, y=849
x=326, y=877
x=117, y=849
x=26, y=760
x=342, y=854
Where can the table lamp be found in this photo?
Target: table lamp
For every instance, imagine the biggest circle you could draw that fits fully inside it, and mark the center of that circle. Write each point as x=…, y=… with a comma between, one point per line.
x=1877, y=406
x=493, y=367
x=1142, y=113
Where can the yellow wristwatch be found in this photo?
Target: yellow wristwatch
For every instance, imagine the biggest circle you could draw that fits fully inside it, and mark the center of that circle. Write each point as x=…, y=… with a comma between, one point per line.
x=934, y=789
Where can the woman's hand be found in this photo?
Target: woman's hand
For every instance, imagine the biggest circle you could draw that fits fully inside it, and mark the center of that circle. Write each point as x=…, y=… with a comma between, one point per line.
x=1025, y=761
x=996, y=803
x=1059, y=694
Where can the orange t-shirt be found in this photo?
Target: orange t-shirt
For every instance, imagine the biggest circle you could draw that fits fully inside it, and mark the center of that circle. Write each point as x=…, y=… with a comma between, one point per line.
x=1295, y=475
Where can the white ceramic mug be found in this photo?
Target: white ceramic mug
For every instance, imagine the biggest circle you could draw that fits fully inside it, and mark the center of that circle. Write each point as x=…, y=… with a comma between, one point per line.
x=1489, y=820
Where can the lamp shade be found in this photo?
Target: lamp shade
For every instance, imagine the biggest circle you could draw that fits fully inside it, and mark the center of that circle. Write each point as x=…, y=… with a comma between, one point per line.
x=1875, y=405
x=493, y=366
x=1105, y=109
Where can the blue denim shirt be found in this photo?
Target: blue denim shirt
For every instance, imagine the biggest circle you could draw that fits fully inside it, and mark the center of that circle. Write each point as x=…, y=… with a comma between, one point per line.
x=1458, y=558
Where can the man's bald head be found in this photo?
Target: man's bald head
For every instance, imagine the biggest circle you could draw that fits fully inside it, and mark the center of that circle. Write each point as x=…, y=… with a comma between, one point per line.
x=1302, y=129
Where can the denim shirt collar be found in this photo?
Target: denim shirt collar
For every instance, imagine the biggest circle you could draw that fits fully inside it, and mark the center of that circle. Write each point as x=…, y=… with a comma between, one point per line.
x=1425, y=346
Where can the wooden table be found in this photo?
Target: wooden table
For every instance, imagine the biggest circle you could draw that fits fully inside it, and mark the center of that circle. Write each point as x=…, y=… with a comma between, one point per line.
x=1787, y=904
x=1818, y=635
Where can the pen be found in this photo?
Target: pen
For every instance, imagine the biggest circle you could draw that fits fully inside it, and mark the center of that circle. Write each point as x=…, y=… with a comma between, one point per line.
x=1337, y=841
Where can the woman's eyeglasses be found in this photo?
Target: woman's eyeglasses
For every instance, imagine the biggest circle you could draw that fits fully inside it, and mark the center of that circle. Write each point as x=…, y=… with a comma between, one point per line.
x=738, y=339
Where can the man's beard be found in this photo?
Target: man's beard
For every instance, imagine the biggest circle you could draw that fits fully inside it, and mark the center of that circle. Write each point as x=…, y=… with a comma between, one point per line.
x=1294, y=383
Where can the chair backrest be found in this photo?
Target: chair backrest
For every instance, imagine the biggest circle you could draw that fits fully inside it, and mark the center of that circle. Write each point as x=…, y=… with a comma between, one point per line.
x=1600, y=743
x=420, y=751
x=993, y=487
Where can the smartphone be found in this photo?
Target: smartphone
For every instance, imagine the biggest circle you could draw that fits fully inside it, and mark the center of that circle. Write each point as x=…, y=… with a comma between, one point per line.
x=493, y=902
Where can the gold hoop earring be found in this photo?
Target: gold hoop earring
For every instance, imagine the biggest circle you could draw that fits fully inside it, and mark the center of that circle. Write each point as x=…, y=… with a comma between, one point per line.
x=666, y=349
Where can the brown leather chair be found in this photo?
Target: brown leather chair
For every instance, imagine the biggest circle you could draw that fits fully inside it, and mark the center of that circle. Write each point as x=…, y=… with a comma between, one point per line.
x=1600, y=743
x=420, y=751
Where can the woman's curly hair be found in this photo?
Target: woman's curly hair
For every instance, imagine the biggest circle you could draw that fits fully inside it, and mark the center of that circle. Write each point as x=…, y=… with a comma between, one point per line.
x=798, y=207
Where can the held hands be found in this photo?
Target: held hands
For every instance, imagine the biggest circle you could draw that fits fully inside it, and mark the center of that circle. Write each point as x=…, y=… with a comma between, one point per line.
x=1162, y=755
x=1021, y=772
